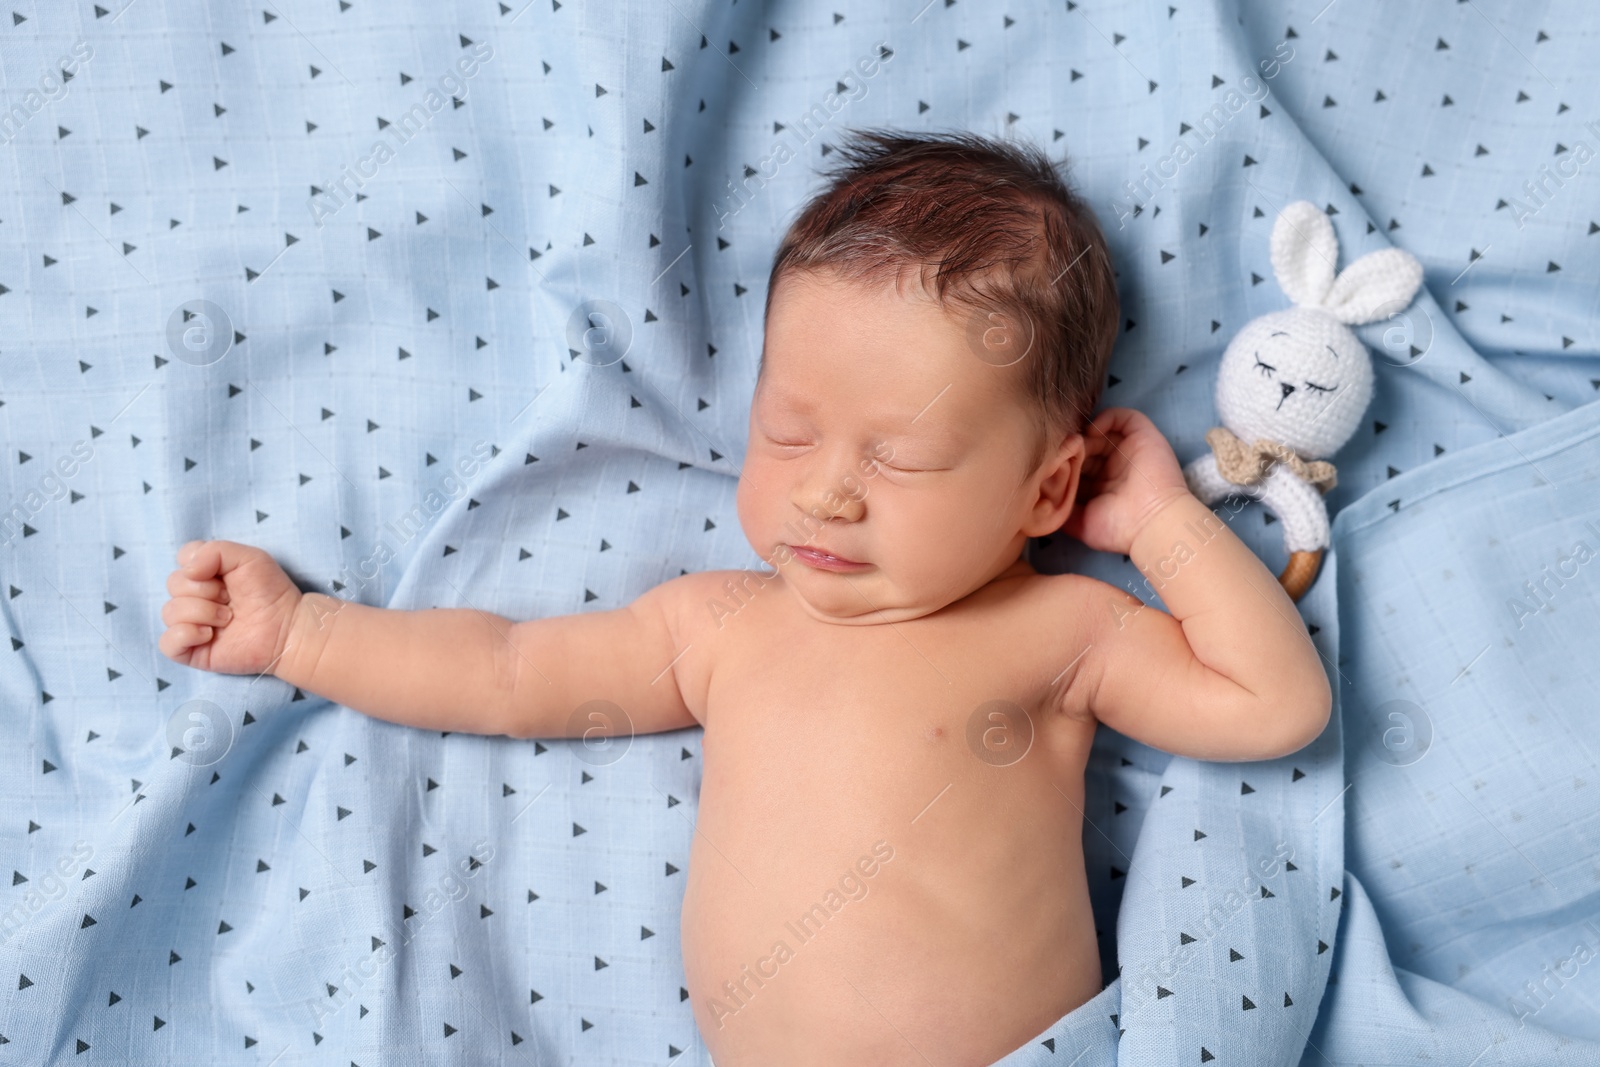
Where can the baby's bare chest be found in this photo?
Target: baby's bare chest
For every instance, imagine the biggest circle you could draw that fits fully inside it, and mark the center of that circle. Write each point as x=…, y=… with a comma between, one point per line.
x=820, y=743
x=938, y=755
x=890, y=719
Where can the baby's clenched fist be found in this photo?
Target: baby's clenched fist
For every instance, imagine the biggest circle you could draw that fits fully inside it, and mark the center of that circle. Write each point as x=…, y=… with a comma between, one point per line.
x=231, y=611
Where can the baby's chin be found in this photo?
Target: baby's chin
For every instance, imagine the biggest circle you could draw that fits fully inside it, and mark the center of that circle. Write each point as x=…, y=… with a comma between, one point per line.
x=868, y=597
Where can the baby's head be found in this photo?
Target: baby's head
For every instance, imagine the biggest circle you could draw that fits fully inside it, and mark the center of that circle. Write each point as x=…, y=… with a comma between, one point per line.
x=939, y=319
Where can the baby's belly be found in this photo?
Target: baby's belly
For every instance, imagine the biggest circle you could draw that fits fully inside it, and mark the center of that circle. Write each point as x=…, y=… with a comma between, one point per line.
x=884, y=898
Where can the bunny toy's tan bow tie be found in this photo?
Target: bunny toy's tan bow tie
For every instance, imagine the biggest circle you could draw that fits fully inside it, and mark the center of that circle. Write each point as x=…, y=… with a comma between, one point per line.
x=1244, y=464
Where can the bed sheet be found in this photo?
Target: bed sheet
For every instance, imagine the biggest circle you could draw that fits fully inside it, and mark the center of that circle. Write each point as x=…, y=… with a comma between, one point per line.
x=316, y=277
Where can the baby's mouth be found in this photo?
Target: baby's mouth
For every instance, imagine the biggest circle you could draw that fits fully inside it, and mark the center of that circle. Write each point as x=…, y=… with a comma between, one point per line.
x=825, y=561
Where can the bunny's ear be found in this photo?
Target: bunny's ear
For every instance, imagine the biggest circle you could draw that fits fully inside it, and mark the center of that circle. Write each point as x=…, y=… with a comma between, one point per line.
x=1304, y=253
x=1374, y=286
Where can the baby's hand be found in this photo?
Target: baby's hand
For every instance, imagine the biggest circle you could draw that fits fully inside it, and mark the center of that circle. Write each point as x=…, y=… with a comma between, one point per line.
x=231, y=610
x=1129, y=473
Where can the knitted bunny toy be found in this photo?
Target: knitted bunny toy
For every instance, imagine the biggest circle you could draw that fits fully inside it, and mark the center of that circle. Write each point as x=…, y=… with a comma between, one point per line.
x=1293, y=384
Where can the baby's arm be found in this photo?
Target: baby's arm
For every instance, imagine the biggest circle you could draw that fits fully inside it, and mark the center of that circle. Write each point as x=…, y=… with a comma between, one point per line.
x=464, y=669
x=1231, y=674
x=456, y=669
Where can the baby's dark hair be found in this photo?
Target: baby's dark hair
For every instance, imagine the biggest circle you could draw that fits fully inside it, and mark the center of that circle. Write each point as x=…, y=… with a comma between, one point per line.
x=1002, y=232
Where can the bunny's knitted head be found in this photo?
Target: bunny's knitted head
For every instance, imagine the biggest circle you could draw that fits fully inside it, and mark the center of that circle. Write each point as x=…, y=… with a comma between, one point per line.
x=1300, y=376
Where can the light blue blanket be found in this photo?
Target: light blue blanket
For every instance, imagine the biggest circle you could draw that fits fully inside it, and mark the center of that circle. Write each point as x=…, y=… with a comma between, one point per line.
x=315, y=277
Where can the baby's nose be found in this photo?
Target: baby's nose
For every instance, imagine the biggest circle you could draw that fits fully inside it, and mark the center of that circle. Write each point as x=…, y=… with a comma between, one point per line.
x=824, y=498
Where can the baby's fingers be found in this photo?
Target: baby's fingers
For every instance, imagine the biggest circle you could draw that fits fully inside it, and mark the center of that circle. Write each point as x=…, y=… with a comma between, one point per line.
x=180, y=584
x=1104, y=431
x=176, y=643
x=1120, y=422
x=201, y=560
x=198, y=610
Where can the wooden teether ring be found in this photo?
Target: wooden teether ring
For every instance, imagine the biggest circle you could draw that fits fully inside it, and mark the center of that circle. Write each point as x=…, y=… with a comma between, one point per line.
x=1300, y=572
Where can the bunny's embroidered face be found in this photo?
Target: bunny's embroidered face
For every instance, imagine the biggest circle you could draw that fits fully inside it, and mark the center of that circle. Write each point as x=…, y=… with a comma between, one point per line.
x=1295, y=376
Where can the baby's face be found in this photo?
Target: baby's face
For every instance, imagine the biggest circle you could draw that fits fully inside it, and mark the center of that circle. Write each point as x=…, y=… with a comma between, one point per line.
x=878, y=437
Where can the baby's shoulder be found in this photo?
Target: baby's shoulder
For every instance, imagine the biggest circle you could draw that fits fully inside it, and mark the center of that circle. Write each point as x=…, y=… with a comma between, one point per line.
x=1057, y=592
x=1047, y=610
x=696, y=609
x=703, y=601
x=1056, y=629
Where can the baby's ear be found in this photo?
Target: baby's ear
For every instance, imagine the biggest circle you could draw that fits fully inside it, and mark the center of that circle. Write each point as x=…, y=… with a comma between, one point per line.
x=1058, y=489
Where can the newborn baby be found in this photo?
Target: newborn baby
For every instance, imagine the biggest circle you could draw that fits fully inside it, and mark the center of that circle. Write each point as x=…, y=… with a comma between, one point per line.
x=888, y=862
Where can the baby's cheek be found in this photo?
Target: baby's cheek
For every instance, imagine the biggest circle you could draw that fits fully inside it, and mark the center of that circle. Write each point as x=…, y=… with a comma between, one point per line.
x=939, y=540
x=749, y=500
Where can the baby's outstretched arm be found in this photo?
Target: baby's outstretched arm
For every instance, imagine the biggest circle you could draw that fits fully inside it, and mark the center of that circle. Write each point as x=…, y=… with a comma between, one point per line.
x=440, y=668
x=1231, y=674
